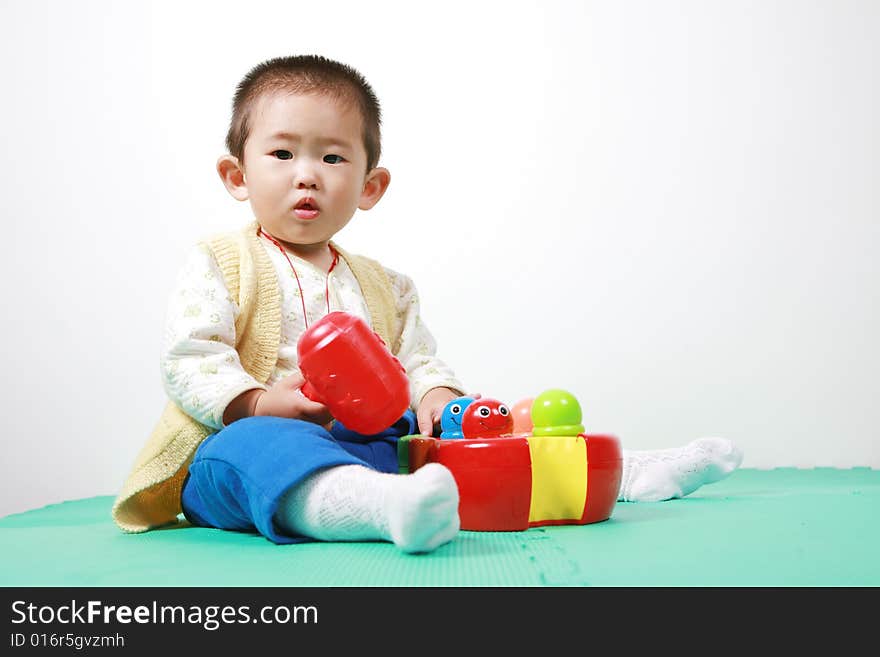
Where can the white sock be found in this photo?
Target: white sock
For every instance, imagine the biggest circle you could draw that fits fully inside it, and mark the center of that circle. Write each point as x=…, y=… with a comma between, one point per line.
x=664, y=474
x=417, y=512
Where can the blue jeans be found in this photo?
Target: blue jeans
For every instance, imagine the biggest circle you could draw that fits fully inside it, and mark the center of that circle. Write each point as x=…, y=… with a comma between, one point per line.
x=238, y=475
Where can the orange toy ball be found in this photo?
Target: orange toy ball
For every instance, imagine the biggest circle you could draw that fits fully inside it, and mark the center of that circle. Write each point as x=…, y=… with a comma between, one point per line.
x=522, y=415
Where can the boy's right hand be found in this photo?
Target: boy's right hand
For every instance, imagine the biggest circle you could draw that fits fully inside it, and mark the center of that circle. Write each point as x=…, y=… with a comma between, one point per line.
x=283, y=399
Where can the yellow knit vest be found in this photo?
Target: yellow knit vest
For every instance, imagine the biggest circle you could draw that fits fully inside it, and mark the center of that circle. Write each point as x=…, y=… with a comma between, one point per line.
x=150, y=496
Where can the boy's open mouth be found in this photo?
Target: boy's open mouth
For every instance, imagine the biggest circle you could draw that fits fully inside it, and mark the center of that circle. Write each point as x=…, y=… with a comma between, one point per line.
x=306, y=208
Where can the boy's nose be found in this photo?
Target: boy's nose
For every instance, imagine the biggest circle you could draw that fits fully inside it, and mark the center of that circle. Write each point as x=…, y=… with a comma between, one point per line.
x=305, y=178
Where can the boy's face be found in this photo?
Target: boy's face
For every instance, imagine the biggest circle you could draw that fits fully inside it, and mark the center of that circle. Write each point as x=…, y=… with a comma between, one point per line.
x=304, y=168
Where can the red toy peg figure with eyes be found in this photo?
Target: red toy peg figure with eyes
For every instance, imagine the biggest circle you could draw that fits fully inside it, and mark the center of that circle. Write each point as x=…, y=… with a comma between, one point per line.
x=486, y=418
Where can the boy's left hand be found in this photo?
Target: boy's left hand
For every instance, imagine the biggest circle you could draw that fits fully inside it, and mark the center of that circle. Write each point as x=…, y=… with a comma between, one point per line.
x=431, y=408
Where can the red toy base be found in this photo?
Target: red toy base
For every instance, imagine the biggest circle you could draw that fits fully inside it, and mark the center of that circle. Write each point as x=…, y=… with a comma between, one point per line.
x=501, y=489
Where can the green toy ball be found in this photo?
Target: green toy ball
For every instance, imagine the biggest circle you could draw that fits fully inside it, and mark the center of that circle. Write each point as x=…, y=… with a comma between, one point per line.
x=556, y=413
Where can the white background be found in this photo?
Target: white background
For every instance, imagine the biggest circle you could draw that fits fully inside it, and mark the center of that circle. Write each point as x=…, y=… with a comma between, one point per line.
x=668, y=208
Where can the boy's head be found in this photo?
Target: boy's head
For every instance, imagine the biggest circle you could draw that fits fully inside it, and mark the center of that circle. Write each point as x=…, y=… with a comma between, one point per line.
x=303, y=144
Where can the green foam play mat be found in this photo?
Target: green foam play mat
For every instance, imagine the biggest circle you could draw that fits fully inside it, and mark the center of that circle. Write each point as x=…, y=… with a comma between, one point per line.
x=781, y=527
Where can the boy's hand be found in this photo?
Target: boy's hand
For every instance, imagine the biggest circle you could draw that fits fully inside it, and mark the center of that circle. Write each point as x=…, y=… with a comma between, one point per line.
x=283, y=399
x=431, y=408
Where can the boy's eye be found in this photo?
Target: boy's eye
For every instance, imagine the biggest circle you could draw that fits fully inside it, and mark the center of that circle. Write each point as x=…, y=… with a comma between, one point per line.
x=282, y=154
x=333, y=159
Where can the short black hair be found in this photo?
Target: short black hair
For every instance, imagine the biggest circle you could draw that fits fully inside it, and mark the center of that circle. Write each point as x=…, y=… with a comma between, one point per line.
x=306, y=74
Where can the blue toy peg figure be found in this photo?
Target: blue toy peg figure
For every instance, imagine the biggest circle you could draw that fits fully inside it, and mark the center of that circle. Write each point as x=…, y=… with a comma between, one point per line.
x=450, y=420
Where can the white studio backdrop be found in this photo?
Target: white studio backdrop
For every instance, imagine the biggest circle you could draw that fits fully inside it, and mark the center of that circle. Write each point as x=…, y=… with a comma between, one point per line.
x=669, y=209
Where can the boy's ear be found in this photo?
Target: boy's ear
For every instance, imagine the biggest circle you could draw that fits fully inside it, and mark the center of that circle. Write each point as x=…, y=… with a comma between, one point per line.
x=374, y=187
x=232, y=176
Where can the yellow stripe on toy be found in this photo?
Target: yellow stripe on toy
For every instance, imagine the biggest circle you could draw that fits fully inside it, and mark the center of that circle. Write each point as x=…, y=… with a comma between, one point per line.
x=559, y=477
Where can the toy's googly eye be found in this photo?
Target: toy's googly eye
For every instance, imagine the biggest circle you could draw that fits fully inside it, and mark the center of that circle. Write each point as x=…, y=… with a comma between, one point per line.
x=484, y=411
x=504, y=410
x=455, y=409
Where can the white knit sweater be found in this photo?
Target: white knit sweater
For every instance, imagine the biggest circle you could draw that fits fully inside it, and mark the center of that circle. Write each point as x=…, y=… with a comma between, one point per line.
x=200, y=367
